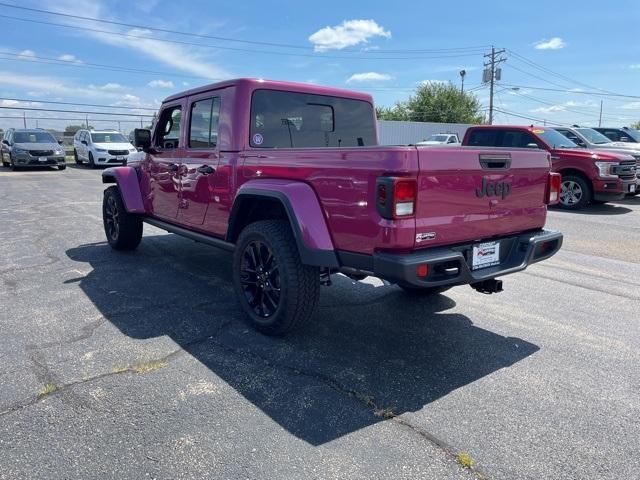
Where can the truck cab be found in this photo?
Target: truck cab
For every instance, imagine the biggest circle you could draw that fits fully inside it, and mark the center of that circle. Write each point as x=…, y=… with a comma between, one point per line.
x=588, y=176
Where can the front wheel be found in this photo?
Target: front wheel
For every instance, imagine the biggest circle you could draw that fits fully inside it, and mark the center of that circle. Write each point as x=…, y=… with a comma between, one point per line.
x=92, y=163
x=75, y=157
x=123, y=229
x=575, y=192
x=276, y=290
x=62, y=167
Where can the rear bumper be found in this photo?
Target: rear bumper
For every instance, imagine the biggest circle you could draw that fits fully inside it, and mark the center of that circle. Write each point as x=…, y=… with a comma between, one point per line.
x=452, y=265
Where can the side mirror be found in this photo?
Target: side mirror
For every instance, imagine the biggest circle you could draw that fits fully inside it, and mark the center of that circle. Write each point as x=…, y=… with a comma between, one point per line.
x=6, y=142
x=84, y=142
x=142, y=139
x=532, y=145
x=60, y=142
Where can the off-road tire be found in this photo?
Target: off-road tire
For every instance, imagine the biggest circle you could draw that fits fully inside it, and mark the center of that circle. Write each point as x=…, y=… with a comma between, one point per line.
x=75, y=157
x=299, y=284
x=92, y=163
x=586, y=192
x=126, y=232
x=423, y=291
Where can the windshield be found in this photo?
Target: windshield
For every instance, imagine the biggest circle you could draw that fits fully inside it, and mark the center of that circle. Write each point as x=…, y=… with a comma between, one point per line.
x=33, y=137
x=553, y=138
x=108, y=138
x=593, y=136
x=438, y=138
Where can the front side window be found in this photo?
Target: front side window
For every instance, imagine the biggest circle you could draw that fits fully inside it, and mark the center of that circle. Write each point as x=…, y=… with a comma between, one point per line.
x=168, y=128
x=203, y=127
x=282, y=119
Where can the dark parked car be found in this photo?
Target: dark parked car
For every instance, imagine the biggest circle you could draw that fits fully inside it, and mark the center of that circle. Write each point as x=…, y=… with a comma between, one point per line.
x=624, y=134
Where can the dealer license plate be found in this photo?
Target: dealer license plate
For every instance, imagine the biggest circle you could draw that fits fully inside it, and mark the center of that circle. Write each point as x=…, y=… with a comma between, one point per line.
x=42, y=159
x=632, y=189
x=485, y=255
x=120, y=158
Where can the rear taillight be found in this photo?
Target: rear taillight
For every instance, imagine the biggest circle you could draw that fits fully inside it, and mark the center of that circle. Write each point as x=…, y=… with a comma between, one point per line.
x=396, y=197
x=553, y=188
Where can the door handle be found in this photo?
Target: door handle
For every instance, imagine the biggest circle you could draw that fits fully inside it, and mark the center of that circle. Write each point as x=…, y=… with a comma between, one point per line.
x=173, y=167
x=206, y=170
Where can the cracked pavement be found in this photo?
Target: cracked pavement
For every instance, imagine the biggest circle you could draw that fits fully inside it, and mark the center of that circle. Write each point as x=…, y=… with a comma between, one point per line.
x=156, y=374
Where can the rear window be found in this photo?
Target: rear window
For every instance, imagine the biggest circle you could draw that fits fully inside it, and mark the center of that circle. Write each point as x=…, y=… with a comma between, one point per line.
x=300, y=120
x=502, y=138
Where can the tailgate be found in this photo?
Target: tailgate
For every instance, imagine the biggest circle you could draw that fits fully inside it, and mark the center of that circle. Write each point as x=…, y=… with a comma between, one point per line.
x=467, y=194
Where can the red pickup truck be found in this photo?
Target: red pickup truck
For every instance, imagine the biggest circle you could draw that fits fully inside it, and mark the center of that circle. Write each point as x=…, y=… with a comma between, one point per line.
x=587, y=176
x=289, y=177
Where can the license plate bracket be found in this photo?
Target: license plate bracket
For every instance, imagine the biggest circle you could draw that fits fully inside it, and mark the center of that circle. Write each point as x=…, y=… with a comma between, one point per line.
x=42, y=159
x=632, y=188
x=486, y=254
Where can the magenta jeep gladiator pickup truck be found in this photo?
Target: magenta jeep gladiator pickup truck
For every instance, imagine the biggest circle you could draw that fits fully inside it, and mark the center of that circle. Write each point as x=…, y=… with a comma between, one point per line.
x=289, y=177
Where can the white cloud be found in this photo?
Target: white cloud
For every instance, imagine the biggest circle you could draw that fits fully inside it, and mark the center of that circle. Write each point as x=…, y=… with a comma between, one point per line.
x=189, y=59
x=108, y=87
x=554, y=43
x=368, y=77
x=551, y=109
x=185, y=84
x=348, y=34
x=427, y=82
x=635, y=66
x=67, y=57
x=160, y=84
x=631, y=106
x=587, y=103
x=27, y=53
x=129, y=100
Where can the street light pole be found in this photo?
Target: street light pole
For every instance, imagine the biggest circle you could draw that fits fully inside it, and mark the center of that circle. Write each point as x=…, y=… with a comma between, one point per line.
x=462, y=75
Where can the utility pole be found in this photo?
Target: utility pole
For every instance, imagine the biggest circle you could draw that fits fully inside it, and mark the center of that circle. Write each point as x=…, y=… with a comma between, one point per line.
x=600, y=119
x=462, y=75
x=24, y=118
x=492, y=73
x=86, y=121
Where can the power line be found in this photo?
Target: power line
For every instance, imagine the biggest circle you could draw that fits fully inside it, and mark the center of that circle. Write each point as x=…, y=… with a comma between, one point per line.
x=97, y=66
x=265, y=52
x=132, y=107
x=67, y=119
x=228, y=39
x=514, y=114
x=32, y=109
x=580, y=92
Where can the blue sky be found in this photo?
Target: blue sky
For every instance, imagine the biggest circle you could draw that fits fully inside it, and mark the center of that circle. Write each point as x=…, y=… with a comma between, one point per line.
x=383, y=48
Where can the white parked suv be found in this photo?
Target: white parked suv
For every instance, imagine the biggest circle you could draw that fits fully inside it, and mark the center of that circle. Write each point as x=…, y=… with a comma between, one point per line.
x=101, y=147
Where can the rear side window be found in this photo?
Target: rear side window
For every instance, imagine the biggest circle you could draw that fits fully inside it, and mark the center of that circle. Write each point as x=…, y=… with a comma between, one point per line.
x=484, y=138
x=300, y=120
x=203, y=128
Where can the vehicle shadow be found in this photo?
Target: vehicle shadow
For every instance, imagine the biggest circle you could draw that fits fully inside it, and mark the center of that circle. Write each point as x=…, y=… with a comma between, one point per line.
x=368, y=348
x=597, y=209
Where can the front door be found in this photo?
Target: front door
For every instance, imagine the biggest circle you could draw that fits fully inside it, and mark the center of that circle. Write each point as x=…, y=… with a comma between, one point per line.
x=165, y=163
x=200, y=159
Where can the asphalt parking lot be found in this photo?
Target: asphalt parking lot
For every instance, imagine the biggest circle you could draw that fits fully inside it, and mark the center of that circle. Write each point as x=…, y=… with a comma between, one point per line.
x=138, y=365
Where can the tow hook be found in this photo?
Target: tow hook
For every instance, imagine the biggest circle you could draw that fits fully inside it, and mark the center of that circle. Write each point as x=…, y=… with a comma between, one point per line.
x=488, y=286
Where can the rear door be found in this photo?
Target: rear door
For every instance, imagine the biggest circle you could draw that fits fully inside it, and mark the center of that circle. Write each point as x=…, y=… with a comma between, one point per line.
x=200, y=160
x=165, y=162
x=467, y=194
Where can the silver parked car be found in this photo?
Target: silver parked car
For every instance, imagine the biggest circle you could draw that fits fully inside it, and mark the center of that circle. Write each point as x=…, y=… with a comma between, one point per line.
x=31, y=148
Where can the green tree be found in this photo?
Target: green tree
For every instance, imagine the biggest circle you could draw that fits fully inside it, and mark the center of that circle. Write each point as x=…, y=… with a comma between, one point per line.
x=72, y=129
x=436, y=102
x=636, y=125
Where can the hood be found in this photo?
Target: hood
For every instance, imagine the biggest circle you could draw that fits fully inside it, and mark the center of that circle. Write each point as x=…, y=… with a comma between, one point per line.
x=114, y=146
x=430, y=142
x=607, y=156
x=625, y=145
x=38, y=146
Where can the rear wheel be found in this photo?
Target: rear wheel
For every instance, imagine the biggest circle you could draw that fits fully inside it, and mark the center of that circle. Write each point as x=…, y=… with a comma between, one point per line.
x=276, y=290
x=92, y=162
x=123, y=229
x=575, y=192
